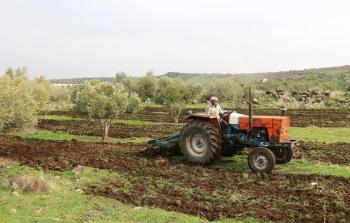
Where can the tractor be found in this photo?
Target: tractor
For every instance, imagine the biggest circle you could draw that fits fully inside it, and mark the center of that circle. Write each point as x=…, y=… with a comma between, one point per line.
x=205, y=138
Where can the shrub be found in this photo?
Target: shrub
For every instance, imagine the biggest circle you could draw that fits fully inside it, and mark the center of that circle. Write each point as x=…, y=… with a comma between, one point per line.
x=134, y=103
x=147, y=86
x=17, y=102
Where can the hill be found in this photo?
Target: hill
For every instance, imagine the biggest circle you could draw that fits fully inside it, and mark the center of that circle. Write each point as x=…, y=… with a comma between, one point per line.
x=335, y=75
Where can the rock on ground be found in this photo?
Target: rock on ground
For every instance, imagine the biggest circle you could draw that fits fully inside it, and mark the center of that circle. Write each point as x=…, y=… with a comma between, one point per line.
x=29, y=184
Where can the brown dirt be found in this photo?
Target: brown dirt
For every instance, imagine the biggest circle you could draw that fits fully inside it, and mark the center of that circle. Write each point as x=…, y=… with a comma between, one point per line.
x=149, y=179
x=335, y=153
x=85, y=127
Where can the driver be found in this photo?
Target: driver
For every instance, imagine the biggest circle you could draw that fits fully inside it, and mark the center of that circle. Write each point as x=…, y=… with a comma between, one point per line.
x=213, y=108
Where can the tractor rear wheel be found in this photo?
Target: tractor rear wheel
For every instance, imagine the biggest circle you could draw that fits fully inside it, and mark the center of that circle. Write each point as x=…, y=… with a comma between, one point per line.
x=261, y=160
x=284, y=155
x=200, y=142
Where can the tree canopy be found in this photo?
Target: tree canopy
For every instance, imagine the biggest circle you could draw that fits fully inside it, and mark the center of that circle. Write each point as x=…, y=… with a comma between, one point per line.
x=104, y=101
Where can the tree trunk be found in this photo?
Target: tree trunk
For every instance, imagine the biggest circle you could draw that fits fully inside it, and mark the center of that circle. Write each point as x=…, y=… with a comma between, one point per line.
x=177, y=116
x=105, y=131
x=176, y=119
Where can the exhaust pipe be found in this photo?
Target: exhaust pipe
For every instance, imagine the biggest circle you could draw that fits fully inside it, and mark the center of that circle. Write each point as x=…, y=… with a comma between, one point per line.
x=250, y=109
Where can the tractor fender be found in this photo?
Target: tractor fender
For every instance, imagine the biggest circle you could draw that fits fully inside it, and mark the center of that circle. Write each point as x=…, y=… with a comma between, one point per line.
x=205, y=117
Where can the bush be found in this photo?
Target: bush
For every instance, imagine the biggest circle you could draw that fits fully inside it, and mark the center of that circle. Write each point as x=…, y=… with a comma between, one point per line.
x=134, y=103
x=147, y=86
x=41, y=92
x=17, y=102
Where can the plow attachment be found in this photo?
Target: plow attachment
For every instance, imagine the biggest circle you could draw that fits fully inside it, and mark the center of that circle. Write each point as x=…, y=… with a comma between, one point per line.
x=166, y=142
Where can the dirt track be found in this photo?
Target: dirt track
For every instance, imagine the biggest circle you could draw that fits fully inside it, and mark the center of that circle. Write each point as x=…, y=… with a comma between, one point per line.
x=146, y=178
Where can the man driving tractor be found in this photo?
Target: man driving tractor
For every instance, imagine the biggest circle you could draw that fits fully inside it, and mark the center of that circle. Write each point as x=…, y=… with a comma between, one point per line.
x=213, y=108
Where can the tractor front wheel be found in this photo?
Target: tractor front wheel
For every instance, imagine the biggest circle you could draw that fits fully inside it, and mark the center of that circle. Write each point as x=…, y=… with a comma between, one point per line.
x=261, y=160
x=200, y=142
x=284, y=155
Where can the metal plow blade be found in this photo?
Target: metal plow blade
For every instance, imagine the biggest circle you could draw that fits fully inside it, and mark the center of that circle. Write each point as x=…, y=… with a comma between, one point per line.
x=166, y=142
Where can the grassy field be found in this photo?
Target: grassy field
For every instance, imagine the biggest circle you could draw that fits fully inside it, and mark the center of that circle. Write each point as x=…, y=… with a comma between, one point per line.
x=239, y=164
x=116, y=121
x=58, y=117
x=328, y=135
x=66, y=203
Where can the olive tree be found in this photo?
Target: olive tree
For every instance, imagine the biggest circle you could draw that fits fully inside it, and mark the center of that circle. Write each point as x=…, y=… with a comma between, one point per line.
x=193, y=93
x=18, y=106
x=147, y=86
x=130, y=84
x=21, y=99
x=174, y=94
x=103, y=102
x=134, y=103
x=59, y=94
x=227, y=90
x=41, y=92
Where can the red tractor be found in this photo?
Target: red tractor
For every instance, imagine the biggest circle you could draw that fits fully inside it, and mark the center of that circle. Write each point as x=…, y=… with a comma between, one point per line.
x=205, y=138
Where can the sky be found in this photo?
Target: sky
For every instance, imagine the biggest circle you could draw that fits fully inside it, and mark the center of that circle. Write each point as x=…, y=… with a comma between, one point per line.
x=86, y=38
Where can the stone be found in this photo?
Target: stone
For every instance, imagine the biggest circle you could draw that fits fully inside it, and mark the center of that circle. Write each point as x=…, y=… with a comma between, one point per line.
x=255, y=101
x=76, y=170
x=137, y=208
x=28, y=184
x=80, y=191
x=15, y=193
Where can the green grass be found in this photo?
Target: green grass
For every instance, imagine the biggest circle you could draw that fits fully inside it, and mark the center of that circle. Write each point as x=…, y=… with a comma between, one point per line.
x=160, y=113
x=305, y=167
x=59, y=136
x=308, y=167
x=153, y=105
x=58, y=117
x=116, y=121
x=65, y=204
x=135, y=122
x=328, y=135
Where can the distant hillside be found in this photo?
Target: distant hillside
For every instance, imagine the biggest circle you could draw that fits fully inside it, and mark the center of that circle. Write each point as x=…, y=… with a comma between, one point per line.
x=278, y=74
x=317, y=76
x=80, y=80
x=322, y=87
x=205, y=79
